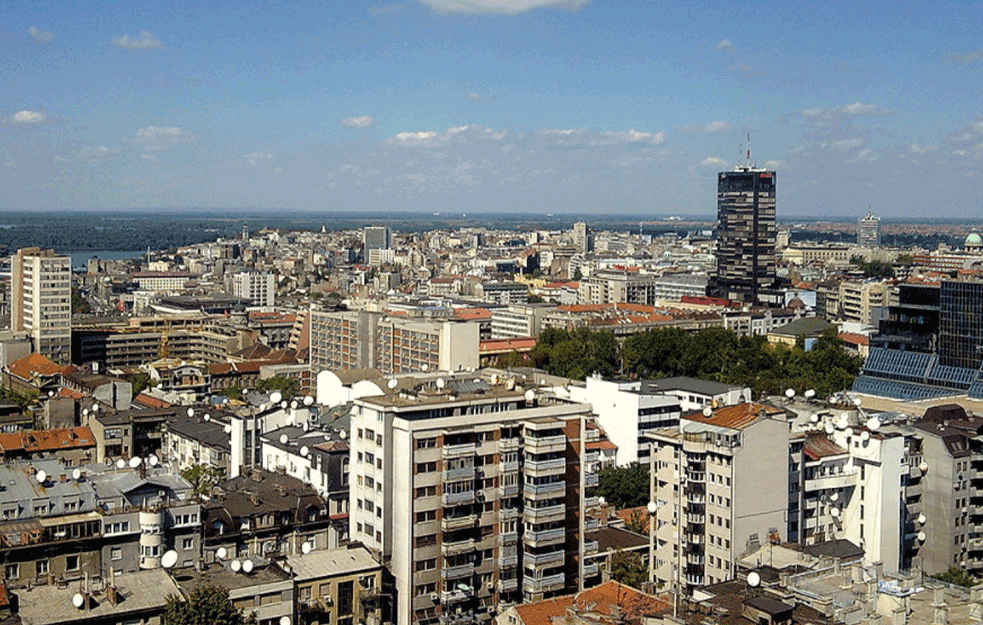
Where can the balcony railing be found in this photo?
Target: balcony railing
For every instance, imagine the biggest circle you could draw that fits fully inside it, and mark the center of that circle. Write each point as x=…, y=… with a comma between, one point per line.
x=591, y=569
x=508, y=490
x=456, y=475
x=833, y=480
x=457, y=451
x=552, y=558
x=545, y=515
x=544, y=537
x=542, y=490
x=508, y=584
x=591, y=479
x=545, y=444
x=456, y=572
x=456, y=499
x=554, y=466
x=545, y=584
x=458, y=522
x=456, y=547
x=590, y=547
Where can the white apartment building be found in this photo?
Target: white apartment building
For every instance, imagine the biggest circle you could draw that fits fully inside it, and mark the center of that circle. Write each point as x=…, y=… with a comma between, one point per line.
x=163, y=281
x=41, y=301
x=473, y=490
x=260, y=288
x=518, y=321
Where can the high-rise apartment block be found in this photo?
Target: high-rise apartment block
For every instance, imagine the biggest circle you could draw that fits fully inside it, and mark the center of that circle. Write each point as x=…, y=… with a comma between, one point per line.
x=745, y=235
x=41, y=301
x=473, y=490
x=869, y=230
x=258, y=287
x=378, y=245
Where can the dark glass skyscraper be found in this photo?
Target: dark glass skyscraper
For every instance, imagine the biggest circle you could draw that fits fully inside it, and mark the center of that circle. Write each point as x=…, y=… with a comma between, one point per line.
x=745, y=235
x=961, y=324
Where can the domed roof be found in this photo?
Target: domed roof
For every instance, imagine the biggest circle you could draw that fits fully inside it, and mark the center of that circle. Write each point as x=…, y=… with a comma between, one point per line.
x=974, y=239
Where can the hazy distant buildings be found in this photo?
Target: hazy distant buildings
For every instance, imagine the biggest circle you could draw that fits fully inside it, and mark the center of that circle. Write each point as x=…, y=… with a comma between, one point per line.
x=41, y=301
x=869, y=230
x=745, y=235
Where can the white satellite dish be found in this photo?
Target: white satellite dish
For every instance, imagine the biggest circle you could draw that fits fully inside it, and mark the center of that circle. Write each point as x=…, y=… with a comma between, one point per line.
x=236, y=566
x=283, y=404
x=306, y=547
x=753, y=579
x=284, y=620
x=441, y=383
x=829, y=428
x=810, y=393
x=153, y=460
x=790, y=393
x=221, y=553
x=85, y=412
x=227, y=429
x=191, y=412
x=169, y=559
x=41, y=476
x=304, y=451
x=207, y=417
x=77, y=474
x=835, y=512
x=343, y=434
x=294, y=404
x=849, y=431
x=857, y=402
x=135, y=461
x=78, y=600
x=814, y=418
x=530, y=395
x=95, y=407
x=921, y=537
x=651, y=507
x=276, y=397
x=283, y=439
x=922, y=518
x=308, y=400
x=425, y=367
x=923, y=467
x=392, y=383
x=865, y=436
x=121, y=464
x=247, y=566
x=707, y=411
x=834, y=497
x=873, y=424
x=601, y=500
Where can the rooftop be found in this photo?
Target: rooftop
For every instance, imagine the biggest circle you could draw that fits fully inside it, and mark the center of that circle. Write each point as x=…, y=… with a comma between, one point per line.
x=321, y=564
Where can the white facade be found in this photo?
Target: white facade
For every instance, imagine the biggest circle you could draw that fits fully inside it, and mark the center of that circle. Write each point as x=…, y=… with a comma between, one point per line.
x=41, y=301
x=260, y=288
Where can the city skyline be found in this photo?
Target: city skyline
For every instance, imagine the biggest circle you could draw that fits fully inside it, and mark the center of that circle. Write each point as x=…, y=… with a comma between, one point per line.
x=484, y=106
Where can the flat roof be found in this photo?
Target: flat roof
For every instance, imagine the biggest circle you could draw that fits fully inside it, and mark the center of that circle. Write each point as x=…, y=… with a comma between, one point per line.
x=321, y=564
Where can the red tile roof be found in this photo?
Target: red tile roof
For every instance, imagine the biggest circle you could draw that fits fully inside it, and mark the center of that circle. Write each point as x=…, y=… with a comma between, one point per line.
x=596, y=602
x=150, y=402
x=34, y=364
x=735, y=417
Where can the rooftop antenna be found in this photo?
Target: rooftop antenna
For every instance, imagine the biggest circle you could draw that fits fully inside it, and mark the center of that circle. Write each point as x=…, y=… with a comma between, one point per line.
x=749, y=148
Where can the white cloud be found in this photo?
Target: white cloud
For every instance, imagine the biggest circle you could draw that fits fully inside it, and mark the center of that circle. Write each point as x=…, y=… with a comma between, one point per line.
x=255, y=158
x=867, y=155
x=41, y=36
x=361, y=122
x=976, y=127
x=844, y=145
x=383, y=9
x=703, y=129
x=921, y=149
x=848, y=110
x=28, y=117
x=774, y=164
x=966, y=57
x=725, y=46
x=98, y=152
x=474, y=96
x=158, y=138
x=503, y=7
x=713, y=161
x=146, y=41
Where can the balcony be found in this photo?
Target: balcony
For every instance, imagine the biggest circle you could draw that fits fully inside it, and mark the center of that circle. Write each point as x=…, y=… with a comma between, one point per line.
x=545, y=584
x=508, y=538
x=696, y=476
x=695, y=518
x=457, y=572
x=456, y=499
x=591, y=502
x=975, y=544
x=695, y=558
x=696, y=498
x=456, y=547
x=510, y=584
x=508, y=490
x=545, y=444
x=458, y=522
x=456, y=618
x=542, y=491
x=544, y=537
x=590, y=480
x=551, y=559
x=545, y=515
x=511, y=466
x=591, y=524
x=508, y=560
x=591, y=569
x=694, y=538
x=590, y=547
x=459, y=451
x=543, y=468
x=694, y=580
x=832, y=480
x=508, y=444
x=456, y=475
x=454, y=596
x=507, y=514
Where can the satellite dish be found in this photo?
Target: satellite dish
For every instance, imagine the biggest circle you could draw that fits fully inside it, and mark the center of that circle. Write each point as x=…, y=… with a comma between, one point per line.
x=95, y=407
x=41, y=476
x=227, y=429
x=530, y=395
x=651, y=507
x=425, y=367
x=813, y=418
x=922, y=518
x=121, y=464
x=601, y=500
x=873, y=424
x=78, y=600
x=304, y=451
x=51, y=393
x=77, y=474
x=221, y=553
x=857, y=402
x=153, y=460
x=306, y=547
x=790, y=393
x=294, y=404
x=835, y=513
x=276, y=397
x=191, y=412
x=753, y=579
x=921, y=537
x=849, y=431
x=865, y=436
x=284, y=620
x=85, y=412
x=829, y=428
x=308, y=401
x=283, y=439
x=247, y=566
x=169, y=559
x=441, y=383
x=392, y=383
x=707, y=411
x=834, y=497
x=236, y=566
x=342, y=434
x=810, y=393
x=135, y=461
x=842, y=422
x=283, y=404
x=923, y=467
x=207, y=417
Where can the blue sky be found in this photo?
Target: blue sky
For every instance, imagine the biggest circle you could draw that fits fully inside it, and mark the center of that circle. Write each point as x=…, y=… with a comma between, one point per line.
x=490, y=105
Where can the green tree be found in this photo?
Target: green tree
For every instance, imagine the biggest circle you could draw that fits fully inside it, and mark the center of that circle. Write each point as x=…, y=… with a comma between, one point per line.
x=233, y=391
x=628, y=568
x=288, y=387
x=206, y=605
x=957, y=576
x=139, y=382
x=203, y=478
x=80, y=306
x=511, y=359
x=625, y=487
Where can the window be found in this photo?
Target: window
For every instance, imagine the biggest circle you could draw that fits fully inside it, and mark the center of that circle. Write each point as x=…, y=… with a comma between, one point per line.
x=116, y=553
x=12, y=571
x=41, y=567
x=71, y=563
x=187, y=543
